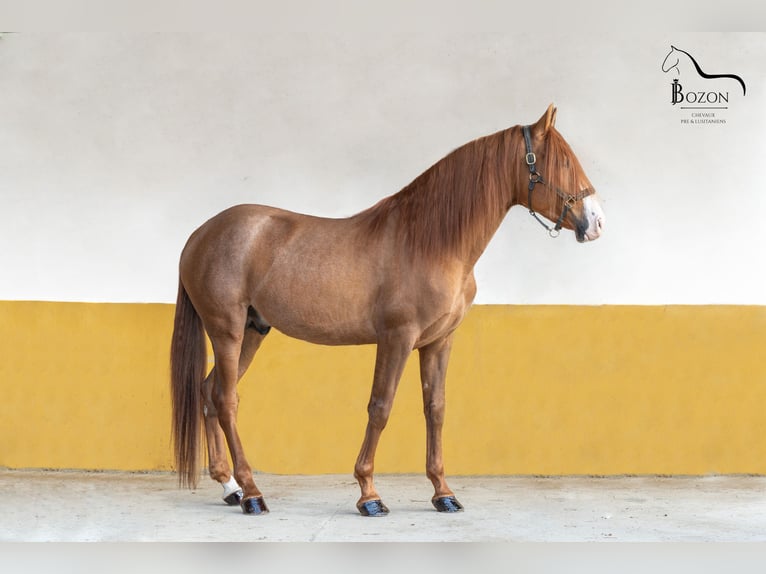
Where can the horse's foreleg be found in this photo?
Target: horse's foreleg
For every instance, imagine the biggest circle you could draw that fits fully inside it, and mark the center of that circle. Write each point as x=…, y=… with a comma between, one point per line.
x=232, y=356
x=389, y=364
x=433, y=371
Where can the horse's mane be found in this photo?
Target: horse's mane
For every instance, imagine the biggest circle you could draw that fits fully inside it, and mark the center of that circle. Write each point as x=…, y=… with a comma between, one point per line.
x=463, y=197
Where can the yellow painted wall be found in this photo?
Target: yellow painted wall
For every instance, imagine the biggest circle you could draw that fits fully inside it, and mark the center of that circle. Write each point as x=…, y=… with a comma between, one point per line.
x=530, y=390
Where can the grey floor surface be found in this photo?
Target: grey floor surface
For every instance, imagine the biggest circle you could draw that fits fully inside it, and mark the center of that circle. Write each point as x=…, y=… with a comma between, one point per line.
x=128, y=507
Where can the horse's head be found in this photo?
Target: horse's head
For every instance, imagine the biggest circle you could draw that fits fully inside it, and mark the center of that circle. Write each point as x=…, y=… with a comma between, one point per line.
x=671, y=60
x=554, y=183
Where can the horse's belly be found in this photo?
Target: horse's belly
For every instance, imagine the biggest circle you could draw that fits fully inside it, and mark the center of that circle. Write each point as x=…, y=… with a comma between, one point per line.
x=327, y=315
x=327, y=334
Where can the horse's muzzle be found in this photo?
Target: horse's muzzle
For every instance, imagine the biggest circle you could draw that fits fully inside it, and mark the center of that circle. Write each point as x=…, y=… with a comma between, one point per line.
x=590, y=224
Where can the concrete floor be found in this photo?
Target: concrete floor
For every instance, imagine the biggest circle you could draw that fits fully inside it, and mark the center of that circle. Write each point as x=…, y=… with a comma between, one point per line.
x=103, y=506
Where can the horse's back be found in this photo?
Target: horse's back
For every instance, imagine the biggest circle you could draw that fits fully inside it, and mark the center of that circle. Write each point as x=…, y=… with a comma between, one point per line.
x=241, y=224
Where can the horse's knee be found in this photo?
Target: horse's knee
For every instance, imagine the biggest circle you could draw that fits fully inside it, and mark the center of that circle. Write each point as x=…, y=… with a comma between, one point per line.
x=434, y=412
x=378, y=412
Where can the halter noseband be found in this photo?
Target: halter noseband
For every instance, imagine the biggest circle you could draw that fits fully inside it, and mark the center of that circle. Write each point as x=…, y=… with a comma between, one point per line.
x=536, y=177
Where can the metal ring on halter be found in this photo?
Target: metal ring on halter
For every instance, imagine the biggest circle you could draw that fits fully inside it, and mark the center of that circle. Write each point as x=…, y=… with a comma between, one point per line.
x=553, y=232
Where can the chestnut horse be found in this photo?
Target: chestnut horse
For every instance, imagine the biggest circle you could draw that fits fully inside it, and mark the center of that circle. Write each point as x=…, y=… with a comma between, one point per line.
x=398, y=275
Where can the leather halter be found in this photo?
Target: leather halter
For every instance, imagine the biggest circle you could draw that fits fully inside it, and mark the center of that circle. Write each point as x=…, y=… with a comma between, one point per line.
x=536, y=177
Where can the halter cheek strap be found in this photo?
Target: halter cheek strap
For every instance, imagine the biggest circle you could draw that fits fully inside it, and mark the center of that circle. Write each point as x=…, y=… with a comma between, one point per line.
x=535, y=177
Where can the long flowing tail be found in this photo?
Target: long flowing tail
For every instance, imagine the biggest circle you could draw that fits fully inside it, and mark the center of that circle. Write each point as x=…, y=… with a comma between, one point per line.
x=188, y=362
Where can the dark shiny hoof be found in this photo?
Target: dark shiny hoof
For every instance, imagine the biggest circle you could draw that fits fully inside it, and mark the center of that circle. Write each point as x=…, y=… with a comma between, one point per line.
x=447, y=504
x=372, y=508
x=234, y=498
x=254, y=506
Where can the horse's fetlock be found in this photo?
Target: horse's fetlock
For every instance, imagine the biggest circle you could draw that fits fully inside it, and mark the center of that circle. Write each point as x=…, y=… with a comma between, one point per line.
x=363, y=470
x=219, y=472
x=435, y=471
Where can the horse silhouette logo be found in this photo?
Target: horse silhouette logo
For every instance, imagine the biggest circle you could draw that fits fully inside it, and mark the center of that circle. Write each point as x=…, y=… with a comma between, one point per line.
x=676, y=56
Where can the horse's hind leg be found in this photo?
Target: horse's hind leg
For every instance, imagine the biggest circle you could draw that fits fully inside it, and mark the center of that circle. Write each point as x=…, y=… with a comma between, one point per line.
x=218, y=465
x=433, y=370
x=234, y=350
x=216, y=440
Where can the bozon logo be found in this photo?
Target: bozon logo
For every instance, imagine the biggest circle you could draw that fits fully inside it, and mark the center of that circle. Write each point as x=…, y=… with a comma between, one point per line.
x=695, y=94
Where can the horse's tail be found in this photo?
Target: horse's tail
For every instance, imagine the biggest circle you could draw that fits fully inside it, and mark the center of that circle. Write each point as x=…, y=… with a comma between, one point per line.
x=188, y=362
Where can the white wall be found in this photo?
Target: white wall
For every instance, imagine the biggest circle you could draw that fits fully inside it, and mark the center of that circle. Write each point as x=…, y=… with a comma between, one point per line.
x=113, y=148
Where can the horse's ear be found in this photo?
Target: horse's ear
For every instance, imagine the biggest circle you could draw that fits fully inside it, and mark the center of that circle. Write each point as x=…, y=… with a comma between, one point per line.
x=546, y=121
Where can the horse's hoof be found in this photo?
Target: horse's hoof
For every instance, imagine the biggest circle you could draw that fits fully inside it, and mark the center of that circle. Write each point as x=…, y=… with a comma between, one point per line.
x=372, y=508
x=254, y=506
x=234, y=498
x=447, y=504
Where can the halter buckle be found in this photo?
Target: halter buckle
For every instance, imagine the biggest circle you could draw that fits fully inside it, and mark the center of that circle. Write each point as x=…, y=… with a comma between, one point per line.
x=531, y=158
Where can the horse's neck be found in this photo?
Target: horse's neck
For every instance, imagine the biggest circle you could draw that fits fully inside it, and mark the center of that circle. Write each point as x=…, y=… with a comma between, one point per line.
x=481, y=191
x=504, y=196
x=453, y=209
x=475, y=249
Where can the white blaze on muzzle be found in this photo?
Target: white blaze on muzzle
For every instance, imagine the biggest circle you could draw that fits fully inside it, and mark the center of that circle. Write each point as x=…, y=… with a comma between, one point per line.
x=594, y=216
